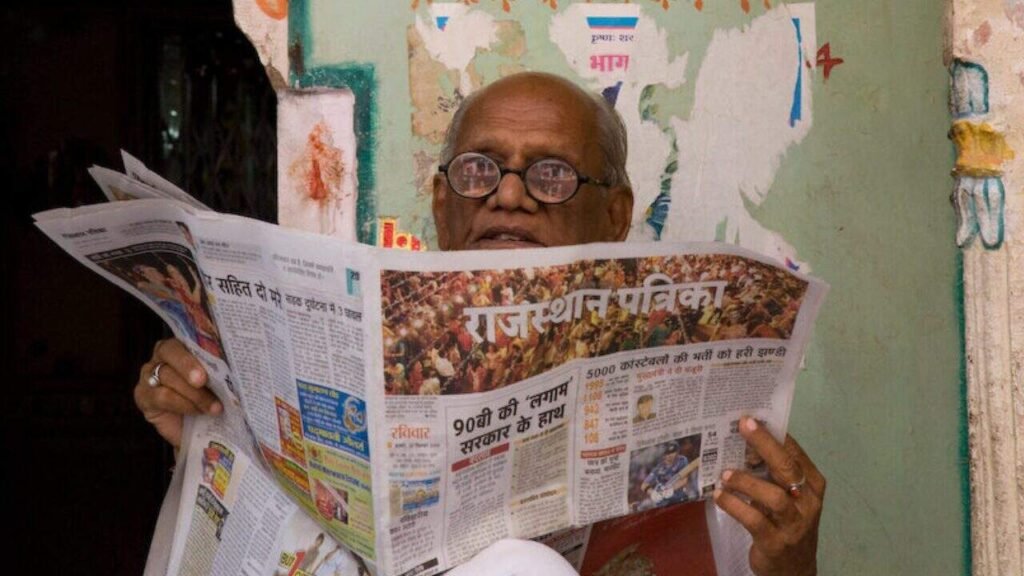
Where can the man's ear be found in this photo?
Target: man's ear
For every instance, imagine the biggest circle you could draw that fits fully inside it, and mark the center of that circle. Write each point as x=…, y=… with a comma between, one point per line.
x=438, y=208
x=620, y=211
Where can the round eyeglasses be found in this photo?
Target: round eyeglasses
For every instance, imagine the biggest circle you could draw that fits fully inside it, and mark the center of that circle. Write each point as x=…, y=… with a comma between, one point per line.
x=548, y=180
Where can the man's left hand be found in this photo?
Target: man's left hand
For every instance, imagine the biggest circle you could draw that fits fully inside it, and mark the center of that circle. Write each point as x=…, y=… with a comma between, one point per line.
x=783, y=515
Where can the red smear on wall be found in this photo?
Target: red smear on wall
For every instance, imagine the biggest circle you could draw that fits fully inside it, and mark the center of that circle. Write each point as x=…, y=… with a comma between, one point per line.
x=982, y=34
x=745, y=5
x=319, y=169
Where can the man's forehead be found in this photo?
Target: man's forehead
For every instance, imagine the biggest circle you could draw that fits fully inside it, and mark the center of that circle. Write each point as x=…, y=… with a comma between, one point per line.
x=511, y=109
x=534, y=87
x=533, y=118
x=500, y=145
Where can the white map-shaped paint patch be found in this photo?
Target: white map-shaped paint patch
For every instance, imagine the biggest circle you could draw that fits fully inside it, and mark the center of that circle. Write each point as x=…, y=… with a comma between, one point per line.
x=651, y=64
x=741, y=127
x=731, y=145
x=455, y=44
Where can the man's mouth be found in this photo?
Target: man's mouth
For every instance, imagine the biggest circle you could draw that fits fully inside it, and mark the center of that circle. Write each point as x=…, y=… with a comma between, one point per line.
x=501, y=237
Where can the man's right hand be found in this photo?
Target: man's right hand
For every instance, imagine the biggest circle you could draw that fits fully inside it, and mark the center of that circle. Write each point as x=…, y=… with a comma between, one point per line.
x=182, y=390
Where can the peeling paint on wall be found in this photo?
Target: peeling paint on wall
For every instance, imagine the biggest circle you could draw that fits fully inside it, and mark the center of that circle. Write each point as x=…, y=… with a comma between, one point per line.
x=743, y=116
x=1015, y=12
x=651, y=68
x=265, y=23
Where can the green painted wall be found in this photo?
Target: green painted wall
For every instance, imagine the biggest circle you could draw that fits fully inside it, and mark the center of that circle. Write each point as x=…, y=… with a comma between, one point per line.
x=864, y=199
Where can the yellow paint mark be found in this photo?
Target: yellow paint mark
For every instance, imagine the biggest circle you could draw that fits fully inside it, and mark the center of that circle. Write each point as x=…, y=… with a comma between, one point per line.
x=981, y=149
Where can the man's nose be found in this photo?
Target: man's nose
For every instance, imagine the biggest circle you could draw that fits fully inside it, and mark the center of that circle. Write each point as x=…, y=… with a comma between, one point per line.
x=511, y=195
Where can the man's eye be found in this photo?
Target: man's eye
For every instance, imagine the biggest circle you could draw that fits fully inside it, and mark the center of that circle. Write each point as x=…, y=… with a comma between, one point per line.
x=478, y=167
x=554, y=171
x=561, y=172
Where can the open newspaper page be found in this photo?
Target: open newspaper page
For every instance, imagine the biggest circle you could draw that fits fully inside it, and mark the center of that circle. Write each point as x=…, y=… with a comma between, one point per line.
x=228, y=512
x=573, y=385
x=291, y=308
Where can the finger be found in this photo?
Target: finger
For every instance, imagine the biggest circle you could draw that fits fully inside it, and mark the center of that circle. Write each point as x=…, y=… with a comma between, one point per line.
x=815, y=479
x=783, y=466
x=159, y=400
x=202, y=398
x=780, y=504
x=749, y=517
x=150, y=399
x=173, y=352
x=176, y=355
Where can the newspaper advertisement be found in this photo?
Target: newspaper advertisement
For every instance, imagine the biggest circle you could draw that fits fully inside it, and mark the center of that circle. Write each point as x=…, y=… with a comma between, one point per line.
x=415, y=408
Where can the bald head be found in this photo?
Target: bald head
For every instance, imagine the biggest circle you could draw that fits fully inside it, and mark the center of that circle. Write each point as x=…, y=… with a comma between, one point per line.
x=606, y=127
x=517, y=122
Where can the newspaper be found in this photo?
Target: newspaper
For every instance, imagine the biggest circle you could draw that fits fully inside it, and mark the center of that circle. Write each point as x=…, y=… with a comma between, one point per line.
x=419, y=407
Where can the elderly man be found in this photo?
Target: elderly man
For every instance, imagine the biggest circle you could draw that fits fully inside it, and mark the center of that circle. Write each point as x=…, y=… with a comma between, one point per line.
x=532, y=160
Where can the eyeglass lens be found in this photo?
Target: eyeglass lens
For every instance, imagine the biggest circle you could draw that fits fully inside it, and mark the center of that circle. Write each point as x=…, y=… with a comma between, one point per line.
x=549, y=180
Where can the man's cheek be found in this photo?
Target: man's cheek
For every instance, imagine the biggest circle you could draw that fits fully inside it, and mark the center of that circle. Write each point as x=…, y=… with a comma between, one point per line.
x=459, y=226
x=575, y=230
